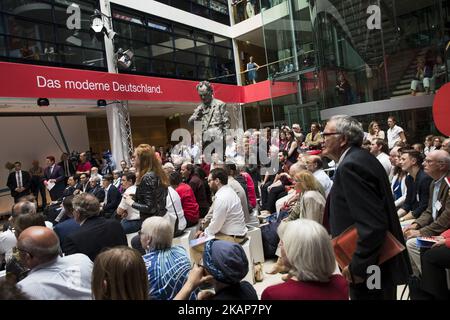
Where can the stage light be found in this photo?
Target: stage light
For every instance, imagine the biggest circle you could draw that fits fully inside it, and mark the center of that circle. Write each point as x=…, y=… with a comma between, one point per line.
x=43, y=102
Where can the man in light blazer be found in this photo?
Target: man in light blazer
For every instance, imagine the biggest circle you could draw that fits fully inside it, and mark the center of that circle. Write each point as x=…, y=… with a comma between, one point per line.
x=436, y=218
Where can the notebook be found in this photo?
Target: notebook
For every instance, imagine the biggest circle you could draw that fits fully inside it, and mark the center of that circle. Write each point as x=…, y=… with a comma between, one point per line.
x=199, y=241
x=425, y=242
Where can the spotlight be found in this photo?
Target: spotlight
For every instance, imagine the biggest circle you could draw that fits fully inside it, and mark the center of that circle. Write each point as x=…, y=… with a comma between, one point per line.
x=97, y=24
x=43, y=102
x=124, y=58
x=101, y=103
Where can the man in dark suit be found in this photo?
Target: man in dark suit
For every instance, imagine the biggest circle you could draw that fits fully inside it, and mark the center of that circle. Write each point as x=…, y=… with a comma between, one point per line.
x=54, y=174
x=96, y=233
x=112, y=197
x=361, y=196
x=96, y=190
x=19, y=182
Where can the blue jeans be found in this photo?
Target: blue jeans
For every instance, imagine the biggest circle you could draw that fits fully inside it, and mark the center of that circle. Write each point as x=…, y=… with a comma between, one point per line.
x=131, y=226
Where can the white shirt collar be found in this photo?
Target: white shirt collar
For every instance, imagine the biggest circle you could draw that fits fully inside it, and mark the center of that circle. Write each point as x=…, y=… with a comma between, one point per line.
x=342, y=157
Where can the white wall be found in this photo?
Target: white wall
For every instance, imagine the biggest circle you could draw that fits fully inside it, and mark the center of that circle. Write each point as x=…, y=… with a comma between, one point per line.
x=26, y=138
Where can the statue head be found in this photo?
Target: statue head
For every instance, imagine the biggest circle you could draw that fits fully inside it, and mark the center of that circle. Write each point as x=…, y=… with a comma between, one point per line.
x=205, y=91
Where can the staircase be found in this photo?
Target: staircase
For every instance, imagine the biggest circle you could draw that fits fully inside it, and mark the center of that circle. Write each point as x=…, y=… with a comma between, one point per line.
x=403, y=86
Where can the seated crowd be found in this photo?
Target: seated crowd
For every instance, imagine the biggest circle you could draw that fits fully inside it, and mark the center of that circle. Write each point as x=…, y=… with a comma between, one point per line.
x=77, y=247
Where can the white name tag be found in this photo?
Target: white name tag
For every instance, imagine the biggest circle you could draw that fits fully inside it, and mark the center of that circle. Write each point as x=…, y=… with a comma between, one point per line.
x=438, y=205
x=417, y=197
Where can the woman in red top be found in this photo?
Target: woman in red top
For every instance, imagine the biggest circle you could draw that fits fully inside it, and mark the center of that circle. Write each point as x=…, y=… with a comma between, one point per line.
x=306, y=250
x=188, y=201
x=434, y=263
x=251, y=193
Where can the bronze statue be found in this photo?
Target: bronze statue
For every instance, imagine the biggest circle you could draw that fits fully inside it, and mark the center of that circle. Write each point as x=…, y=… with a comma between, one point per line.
x=212, y=113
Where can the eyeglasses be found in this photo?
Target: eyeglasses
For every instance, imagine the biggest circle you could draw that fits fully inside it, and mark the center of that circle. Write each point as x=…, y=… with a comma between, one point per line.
x=326, y=134
x=24, y=251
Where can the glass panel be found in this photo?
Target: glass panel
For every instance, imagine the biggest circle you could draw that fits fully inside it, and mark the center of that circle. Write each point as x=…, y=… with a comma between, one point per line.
x=161, y=52
x=161, y=38
x=2, y=46
x=185, y=57
x=164, y=68
x=81, y=56
x=27, y=29
x=186, y=71
x=184, y=43
x=224, y=42
x=202, y=36
x=204, y=61
x=224, y=53
x=78, y=38
x=142, y=65
x=203, y=48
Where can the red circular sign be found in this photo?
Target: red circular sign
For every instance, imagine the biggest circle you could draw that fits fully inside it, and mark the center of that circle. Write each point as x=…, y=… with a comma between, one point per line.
x=441, y=109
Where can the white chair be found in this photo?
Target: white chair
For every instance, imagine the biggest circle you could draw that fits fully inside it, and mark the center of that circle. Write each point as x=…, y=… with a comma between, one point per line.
x=183, y=241
x=130, y=236
x=250, y=277
x=256, y=245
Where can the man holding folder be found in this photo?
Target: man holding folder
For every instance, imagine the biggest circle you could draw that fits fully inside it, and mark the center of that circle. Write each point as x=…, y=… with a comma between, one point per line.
x=361, y=197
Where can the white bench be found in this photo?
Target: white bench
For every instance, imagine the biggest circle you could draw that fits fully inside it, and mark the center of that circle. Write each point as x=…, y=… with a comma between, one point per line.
x=256, y=245
x=183, y=241
x=130, y=236
x=250, y=277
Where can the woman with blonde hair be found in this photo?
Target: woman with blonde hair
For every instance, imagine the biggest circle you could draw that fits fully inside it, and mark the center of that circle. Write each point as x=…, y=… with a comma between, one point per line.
x=375, y=132
x=119, y=274
x=307, y=253
x=311, y=203
x=152, y=184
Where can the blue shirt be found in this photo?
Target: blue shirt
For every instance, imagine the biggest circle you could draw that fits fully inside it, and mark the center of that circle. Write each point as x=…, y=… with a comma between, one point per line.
x=167, y=272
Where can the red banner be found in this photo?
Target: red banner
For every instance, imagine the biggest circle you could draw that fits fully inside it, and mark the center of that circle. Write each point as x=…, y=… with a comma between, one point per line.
x=441, y=109
x=32, y=81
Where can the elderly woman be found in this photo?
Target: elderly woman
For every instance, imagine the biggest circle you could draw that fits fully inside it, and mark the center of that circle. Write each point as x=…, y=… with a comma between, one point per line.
x=119, y=274
x=167, y=265
x=117, y=180
x=224, y=266
x=311, y=203
x=306, y=250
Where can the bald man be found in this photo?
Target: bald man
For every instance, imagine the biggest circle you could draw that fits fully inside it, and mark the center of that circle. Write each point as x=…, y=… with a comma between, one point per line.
x=51, y=276
x=314, y=164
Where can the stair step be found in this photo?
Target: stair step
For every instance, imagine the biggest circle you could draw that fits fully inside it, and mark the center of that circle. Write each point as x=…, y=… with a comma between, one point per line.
x=403, y=86
x=401, y=92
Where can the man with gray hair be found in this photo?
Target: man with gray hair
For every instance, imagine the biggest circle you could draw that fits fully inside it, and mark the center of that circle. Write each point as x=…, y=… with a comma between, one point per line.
x=436, y=218
x=213, y=115
x=446, y=145
x=361, y=196
x=95, y=232
x=51, y=276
